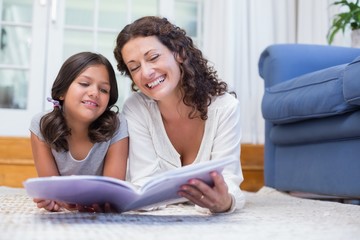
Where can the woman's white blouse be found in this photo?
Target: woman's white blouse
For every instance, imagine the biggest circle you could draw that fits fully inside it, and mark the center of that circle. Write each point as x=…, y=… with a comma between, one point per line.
x=151, y=152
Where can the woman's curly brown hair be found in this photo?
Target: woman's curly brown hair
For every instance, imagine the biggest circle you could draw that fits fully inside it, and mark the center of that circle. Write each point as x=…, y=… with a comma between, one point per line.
x=199, y=81
x=53, y=124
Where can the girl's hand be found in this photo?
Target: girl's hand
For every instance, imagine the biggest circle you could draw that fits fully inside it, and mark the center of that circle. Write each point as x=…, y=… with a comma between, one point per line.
x=68, y=206
x=217, y=198
x=48, y=205
x=53, y=206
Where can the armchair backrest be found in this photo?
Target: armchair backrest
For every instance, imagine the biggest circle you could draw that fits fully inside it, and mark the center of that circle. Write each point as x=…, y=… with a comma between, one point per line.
x=280, y=62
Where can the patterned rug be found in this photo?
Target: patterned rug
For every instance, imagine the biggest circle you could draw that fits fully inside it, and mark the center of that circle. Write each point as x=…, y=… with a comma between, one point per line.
x=268, y=214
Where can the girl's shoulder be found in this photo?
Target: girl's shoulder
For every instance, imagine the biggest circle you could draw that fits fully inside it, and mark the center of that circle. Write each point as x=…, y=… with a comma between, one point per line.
x=38, y=116
x=122, y=131
x=35, y=120
x=35, y=123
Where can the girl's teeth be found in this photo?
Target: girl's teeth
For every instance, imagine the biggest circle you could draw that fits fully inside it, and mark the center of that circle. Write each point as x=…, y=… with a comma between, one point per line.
x=90, y=103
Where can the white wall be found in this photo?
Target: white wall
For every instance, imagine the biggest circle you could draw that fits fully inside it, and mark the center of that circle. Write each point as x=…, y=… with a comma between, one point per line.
x=236, y=32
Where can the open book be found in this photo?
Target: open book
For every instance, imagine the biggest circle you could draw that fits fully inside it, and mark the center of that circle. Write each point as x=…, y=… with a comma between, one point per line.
x=124, y=196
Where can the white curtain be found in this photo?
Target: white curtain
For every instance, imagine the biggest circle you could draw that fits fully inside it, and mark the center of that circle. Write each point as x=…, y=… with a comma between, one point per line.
x=237, y=31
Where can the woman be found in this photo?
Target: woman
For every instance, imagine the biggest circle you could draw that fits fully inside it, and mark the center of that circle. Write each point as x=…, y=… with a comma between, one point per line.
x=181, y=113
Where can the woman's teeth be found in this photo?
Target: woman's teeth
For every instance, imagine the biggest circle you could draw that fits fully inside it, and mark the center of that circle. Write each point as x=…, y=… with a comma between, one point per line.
x=155, y=83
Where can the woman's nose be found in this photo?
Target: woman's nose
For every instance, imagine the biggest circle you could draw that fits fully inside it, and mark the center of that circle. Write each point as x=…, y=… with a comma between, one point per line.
x=148, y=70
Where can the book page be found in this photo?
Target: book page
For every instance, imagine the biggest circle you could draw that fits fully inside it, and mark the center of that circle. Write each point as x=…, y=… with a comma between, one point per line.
x=83, y=190
x=165, y=187
x=124, y=196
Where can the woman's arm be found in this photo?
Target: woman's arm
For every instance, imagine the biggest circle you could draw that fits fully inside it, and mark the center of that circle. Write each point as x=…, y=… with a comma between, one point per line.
x=143, y=163
x=226, y=144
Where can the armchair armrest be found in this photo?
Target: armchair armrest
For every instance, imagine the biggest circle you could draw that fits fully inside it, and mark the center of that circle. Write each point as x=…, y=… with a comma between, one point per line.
x=281, y=62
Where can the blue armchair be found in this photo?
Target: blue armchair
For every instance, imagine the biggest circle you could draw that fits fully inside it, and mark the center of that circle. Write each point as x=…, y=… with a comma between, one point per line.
x=311, y=107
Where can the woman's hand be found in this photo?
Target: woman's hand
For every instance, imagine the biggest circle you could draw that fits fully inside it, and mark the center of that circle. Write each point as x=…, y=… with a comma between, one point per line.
x=105, y=208
x=217, y=198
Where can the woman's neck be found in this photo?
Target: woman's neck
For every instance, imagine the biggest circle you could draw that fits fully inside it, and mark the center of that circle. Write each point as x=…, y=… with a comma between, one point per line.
x=173, y=110
x=173, y=107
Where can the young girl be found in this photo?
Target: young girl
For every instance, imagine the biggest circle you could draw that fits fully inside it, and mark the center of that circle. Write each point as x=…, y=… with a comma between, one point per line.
x=82, y=135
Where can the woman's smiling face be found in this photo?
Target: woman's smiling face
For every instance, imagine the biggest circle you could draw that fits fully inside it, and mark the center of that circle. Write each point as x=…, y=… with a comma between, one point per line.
x=153, y=67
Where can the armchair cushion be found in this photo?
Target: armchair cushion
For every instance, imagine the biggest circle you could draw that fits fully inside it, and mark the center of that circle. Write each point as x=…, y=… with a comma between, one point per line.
x=322, y=93
x=352, y=82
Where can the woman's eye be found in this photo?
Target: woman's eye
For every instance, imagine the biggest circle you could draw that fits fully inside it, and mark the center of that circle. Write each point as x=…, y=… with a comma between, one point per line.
x=133, y=69
x=154, y=57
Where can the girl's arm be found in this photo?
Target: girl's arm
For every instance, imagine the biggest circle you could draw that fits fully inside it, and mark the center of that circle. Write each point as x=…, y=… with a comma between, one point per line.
x=115, y=164
x=43, y=158
x=45, y=166
x=115, y=161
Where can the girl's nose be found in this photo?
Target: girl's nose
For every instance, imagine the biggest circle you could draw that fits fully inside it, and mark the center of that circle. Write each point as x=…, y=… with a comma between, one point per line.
x=93, y=91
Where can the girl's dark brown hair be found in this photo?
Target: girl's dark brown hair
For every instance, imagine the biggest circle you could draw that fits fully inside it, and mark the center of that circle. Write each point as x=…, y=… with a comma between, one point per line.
x=53, y=124
x=199, y=81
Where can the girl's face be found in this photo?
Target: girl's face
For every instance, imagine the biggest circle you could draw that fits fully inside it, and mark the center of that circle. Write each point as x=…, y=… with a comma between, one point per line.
x=153, y=67
x=88, y=95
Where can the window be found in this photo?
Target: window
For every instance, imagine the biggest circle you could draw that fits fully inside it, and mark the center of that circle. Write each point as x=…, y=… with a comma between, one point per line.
x=37, y=36
x=15, y=43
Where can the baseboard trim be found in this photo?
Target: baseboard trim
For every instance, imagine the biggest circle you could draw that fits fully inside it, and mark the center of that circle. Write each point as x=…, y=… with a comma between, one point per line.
x=16, y=163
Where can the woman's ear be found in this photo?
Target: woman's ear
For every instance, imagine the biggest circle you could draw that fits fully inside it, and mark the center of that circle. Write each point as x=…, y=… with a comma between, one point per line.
x=178, y=58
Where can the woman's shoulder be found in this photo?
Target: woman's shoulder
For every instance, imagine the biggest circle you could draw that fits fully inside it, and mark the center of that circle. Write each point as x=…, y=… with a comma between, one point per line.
x=138, y=102
x=224, y=101
x=138, y=97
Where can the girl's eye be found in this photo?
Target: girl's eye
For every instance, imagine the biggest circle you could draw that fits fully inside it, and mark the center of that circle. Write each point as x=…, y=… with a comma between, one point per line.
x=84, y=84
x=103, y=90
